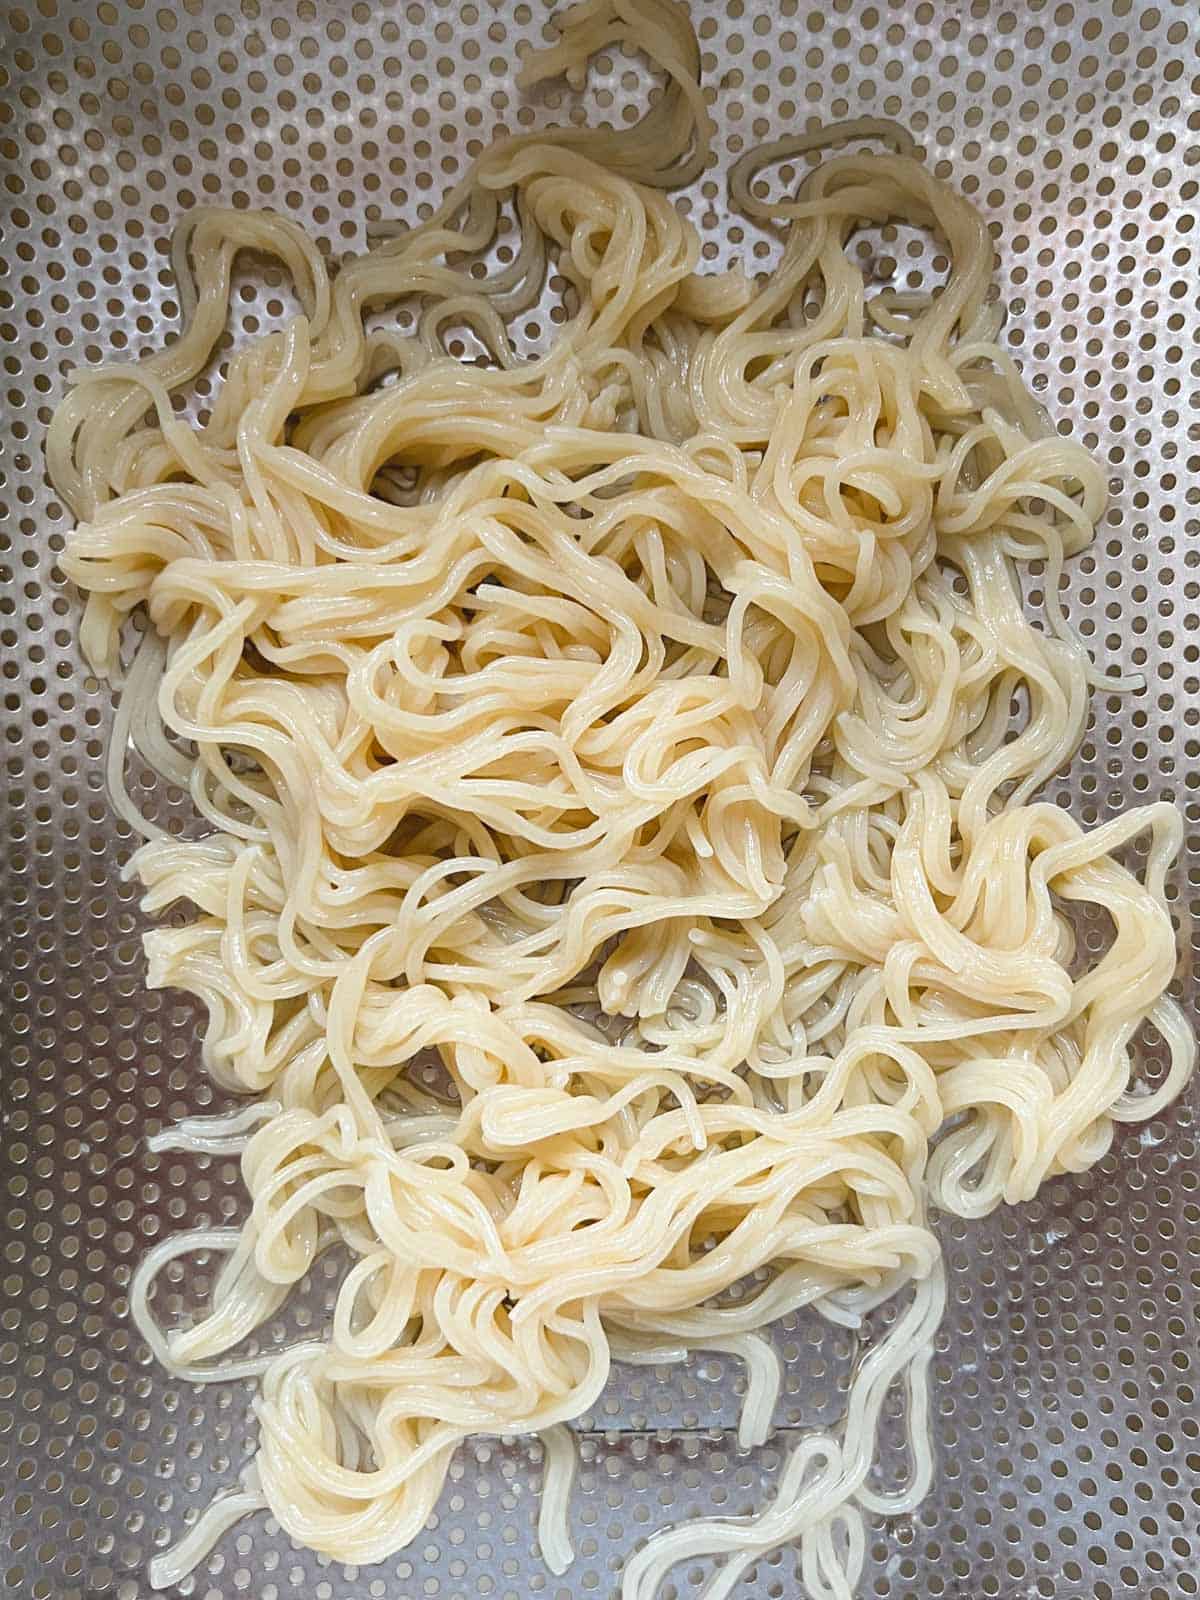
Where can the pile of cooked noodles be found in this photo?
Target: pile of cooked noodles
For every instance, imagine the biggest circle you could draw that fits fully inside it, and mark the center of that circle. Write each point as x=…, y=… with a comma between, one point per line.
x=649, y=731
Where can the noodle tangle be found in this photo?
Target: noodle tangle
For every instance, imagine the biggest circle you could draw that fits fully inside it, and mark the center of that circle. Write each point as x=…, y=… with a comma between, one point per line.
x=630, y=730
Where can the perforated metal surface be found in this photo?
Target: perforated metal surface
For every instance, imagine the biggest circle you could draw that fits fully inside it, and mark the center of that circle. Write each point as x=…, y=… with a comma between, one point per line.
x=1068, y=1434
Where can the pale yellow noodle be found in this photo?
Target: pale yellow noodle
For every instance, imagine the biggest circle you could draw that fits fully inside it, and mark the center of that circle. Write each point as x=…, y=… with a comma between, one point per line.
x=631, y=731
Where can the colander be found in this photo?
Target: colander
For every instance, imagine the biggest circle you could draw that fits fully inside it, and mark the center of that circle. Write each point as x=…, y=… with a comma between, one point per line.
x=1067, y=1431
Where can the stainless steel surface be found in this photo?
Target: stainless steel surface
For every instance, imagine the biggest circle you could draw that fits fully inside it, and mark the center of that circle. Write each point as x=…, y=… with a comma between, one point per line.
x=1067, y=1426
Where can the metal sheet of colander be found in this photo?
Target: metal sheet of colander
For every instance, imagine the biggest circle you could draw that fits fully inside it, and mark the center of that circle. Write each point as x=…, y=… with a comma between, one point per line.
x=1067, y=1429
